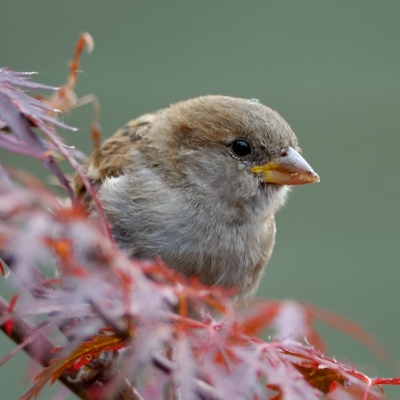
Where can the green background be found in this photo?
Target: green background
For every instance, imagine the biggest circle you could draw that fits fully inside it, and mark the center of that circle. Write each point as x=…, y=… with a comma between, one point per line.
x=331, y=68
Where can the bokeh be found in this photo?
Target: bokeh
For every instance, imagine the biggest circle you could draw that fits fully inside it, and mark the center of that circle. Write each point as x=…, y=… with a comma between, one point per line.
x=332, y=69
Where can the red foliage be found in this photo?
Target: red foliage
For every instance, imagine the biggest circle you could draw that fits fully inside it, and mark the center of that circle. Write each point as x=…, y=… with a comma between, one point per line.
x=137, y=330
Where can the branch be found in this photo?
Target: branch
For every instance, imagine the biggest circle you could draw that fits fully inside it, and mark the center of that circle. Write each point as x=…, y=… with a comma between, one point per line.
x=37, y=346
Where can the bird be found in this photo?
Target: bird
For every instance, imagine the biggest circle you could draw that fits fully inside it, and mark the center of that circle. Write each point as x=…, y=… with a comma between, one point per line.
x=198, y=184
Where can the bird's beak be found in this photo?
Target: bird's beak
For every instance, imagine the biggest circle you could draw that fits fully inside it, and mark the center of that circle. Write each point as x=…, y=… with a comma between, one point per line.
x=288, y=169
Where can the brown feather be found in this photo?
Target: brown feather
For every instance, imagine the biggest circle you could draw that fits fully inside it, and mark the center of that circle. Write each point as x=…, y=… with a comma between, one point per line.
x=113, y=156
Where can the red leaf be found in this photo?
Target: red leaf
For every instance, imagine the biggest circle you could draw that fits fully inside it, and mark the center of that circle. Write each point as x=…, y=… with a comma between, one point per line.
x=323, y=379
x=259, y=320
x=2, y=265
x=9, y=323
x=80, y=357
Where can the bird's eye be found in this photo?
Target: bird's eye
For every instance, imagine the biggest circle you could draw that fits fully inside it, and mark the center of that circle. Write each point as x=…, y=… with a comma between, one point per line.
x=240, y=147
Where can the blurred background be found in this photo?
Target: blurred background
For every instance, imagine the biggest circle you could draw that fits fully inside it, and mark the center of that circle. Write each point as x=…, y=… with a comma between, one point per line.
x=332, y=69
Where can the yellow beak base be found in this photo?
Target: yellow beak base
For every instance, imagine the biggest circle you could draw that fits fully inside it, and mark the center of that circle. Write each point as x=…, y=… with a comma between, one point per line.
x=291, y=169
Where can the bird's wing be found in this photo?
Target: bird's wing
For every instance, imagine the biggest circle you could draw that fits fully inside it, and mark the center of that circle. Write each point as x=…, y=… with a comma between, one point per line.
x=113, y=156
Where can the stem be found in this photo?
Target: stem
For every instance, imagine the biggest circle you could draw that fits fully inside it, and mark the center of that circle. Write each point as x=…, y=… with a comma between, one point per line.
x=39, y=348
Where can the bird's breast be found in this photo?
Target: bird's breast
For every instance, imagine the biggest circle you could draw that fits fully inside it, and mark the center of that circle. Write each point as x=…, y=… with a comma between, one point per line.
x=192, y=236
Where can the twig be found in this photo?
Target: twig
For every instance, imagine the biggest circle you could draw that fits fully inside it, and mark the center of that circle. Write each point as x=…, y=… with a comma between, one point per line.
x=39, y=349
x=36, y=283
x=34, y=280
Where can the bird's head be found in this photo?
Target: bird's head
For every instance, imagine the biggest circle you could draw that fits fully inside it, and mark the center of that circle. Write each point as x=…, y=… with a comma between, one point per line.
x=233, y=149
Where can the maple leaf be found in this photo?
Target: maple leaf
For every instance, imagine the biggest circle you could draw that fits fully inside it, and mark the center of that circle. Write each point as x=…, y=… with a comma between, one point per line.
x=78, y=359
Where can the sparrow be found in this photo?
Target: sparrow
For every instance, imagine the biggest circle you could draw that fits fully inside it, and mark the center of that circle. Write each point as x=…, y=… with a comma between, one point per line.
x=198, y=185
